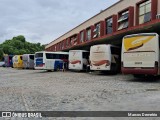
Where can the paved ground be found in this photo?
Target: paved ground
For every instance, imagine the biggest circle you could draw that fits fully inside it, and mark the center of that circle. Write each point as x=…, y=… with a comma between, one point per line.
x=34, y=90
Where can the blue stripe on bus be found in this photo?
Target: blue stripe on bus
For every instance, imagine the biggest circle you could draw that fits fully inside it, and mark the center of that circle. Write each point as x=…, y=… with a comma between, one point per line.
x=58, y=64
x=39, y=61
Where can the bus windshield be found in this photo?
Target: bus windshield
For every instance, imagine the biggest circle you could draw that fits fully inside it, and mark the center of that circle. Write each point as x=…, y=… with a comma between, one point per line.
x=39, y=55
x=20, y=57
x=25, y=58
x=75, y=55
x=31, y=57
x=96, y=56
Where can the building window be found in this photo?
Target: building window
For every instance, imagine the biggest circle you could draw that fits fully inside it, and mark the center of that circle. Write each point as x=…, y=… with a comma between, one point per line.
x=88, y=34
x=67, y=42
x=97, y=30
x=123, y=20
x=145, y=12
x=70, y=42
x=109, y=27
x=62, y=44
x=54, y=48
x=59, y=47
x=74, y=40
x=82, y=36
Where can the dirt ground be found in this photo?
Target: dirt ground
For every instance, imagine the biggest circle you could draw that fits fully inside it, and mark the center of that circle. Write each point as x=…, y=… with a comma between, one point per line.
x=35, y=90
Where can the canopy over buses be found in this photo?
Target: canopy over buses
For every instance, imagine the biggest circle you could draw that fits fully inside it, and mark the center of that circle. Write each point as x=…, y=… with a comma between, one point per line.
x=111, y=25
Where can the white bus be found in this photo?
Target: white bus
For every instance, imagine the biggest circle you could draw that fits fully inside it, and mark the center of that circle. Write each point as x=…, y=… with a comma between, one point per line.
x=105, y=57
x=28, y=61
x=50, y=60
x=140, y=54
x=78, y=59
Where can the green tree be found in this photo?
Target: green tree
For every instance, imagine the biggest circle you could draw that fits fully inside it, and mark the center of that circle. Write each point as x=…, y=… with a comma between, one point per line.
x=20, y=38
x=18, y=45
x=1, y=54
x=6, y=48
x=22, y=51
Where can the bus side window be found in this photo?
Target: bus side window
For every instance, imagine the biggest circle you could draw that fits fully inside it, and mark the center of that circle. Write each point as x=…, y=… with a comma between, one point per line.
x=63, y=56
x=31, y=57
x=50, y=56
x=58, y=56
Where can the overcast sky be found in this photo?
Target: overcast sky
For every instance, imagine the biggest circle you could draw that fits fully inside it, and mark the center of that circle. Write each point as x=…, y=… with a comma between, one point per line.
x=45, y=20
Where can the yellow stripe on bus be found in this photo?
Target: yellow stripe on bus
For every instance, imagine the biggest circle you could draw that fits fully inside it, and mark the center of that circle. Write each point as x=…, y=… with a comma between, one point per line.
x=136, y=42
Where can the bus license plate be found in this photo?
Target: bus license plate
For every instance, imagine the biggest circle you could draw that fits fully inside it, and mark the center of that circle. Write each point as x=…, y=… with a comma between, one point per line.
x=138, y=63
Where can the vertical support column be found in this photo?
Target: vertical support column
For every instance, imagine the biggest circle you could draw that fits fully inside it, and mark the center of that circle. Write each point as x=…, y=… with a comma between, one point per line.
x=115, y=23
x=102, y=28
x=78, y=38
x=131, y=17
x=92, y=34
x=154, y=7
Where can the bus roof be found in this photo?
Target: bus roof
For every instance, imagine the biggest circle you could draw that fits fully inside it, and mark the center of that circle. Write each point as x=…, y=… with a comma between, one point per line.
x=109, y=45
x=17, y=55
x=28, y=54
x=53, y=52
x=141, y=34
x=79, y=50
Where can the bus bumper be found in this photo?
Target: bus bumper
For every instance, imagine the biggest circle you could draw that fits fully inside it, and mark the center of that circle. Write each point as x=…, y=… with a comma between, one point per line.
x=151, y=71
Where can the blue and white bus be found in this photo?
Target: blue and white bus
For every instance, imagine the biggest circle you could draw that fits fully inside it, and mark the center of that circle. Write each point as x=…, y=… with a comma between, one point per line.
x=50, y=60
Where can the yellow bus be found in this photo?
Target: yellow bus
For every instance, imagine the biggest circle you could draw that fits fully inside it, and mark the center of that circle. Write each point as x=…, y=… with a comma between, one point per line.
x=17, y=61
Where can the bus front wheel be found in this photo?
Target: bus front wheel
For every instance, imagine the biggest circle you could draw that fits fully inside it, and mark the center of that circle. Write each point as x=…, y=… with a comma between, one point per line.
x=57, y=68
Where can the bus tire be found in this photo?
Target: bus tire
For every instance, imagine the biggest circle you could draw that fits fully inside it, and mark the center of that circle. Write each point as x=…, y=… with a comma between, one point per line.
x=57, y=68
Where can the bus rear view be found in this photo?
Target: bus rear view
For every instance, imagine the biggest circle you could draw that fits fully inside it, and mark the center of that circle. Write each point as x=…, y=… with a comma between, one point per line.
x=78, y=59
x=105, y=57
x=28, y=61
x=140, y=54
